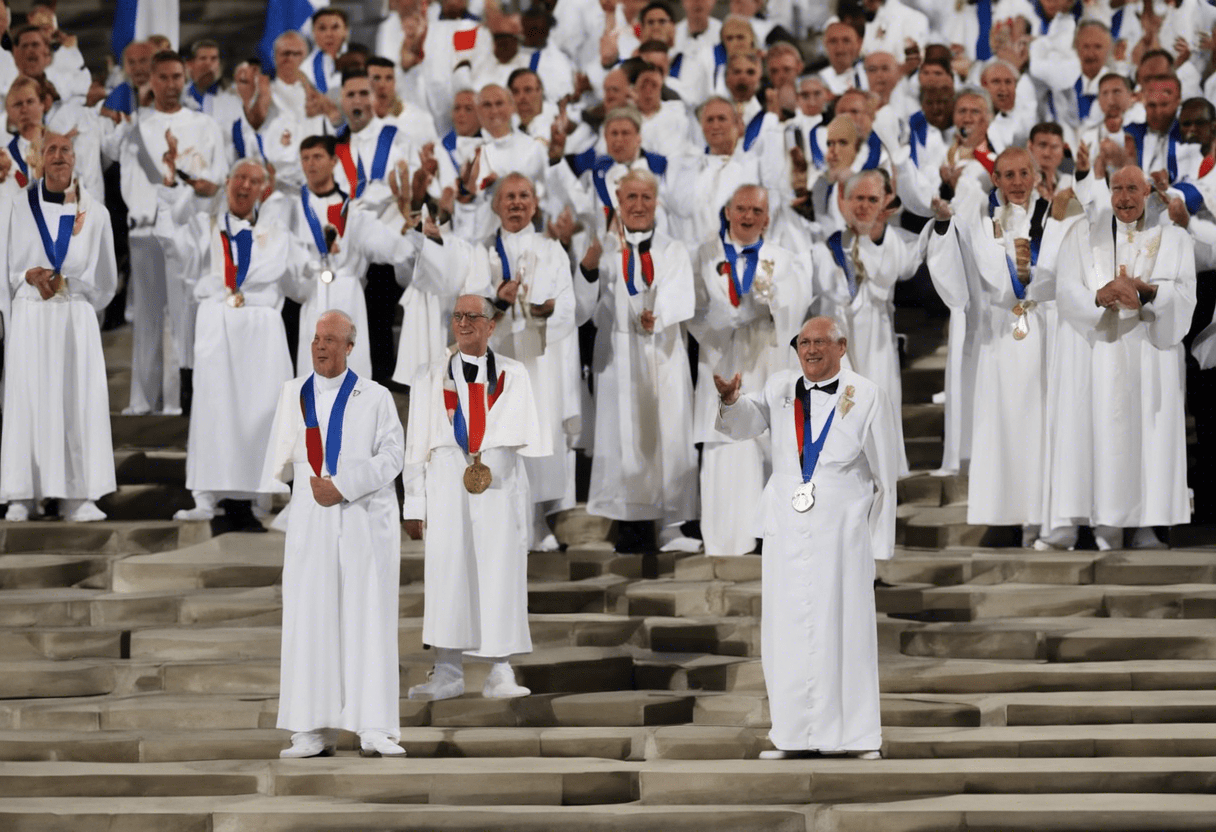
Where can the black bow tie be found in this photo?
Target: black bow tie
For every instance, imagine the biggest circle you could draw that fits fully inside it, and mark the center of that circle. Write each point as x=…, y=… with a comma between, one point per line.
x=470, y=371
x=829, y=388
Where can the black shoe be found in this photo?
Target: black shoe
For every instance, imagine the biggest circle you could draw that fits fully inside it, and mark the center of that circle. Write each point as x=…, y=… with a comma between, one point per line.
x=635, y=537
x=237, y=517
x=187, y=389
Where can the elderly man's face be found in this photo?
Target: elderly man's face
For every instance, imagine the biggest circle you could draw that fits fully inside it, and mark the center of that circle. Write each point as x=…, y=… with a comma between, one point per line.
x=245, y=187
x=623, y=140
x=970, y=116
x=515, y=204
x=783, y=69
x=638, y=202
x=818, y=353
x=58, y=161
x=747, y=213
x=1128, y=193
x=288, y=56
x=137, y=63
x=616, y=90
x=494, y=109
x=1014, y=177
x=864, y=204
x=882, y=71
x=841, y=143
x=720, y=126
x=1093, y=48
x=330, y=346
x=464, y=114
x=471, y=326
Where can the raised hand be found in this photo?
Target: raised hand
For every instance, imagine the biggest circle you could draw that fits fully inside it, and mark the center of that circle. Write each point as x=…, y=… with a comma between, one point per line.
x=170, y=159
x=1177, y=211
x=728, y=391
x=591, y=260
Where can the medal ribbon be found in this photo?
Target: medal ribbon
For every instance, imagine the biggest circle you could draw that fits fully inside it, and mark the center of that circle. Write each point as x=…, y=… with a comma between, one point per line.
x=843, y=261
x=627, y=268
x=23, y=172
x=1037, y=220
x=1085, y=101
x=502, y=256
x=751, y=255
x=333, y=434
x=318, y=72
x=354, y=171
x=236, y=270
x=470, y=433
x=314, y=224
x=808, y=449
x=57, y=249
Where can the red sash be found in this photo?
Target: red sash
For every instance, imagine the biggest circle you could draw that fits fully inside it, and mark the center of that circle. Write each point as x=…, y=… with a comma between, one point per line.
x=229, y=263
x=479, y=404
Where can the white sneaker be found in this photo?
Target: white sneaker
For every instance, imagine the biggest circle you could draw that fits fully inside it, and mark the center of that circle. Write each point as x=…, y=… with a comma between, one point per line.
x=547, y=544
x=84, y=511
x=866, y=755
x=681, y=544
x=196, y=513
x=786, y=754
x=500, y=684
x=136, y=411
x=305, y=744
x=1145, y=538
x=378, y=744
x=939, y=398
x=442, y=685
x=19, y=511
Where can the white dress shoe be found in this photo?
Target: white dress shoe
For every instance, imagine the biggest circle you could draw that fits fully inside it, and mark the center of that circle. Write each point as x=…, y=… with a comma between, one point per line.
x=18, y=511
x=547, y=544
x=866, y=755
x=85, y=511
x=135, y=411
x=194, y=514
x=440, y=686
x=378, y=744
x=305, y=744
x=681, y=544
x=786, y=754
x=500, y=684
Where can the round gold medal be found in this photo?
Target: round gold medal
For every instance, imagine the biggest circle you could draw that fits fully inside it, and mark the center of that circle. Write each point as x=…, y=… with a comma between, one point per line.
x=477, y=477
x=235, y=299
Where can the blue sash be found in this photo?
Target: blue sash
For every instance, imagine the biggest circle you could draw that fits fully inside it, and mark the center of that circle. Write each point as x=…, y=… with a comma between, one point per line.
x=1085, y=101
x=534, y=61
x=314, y=222
x=983, y=13
x=1139, y=132
x=121, y=99
x=333, y=434
x=1116, y=24
x=751, y=257
x=1191, y=195
x=676, y=63
x=813, y=143
x=1038, y=219
x=200, y=97
x=843, y=261
x=753, y=130
x=57, y=249
x=449, y=144
x=811, y=448
x=14, y=150
x=238, y=140
x=918, y=126
x=318, y=72
x=384, y=145
x=875, y=145
x=502, y=256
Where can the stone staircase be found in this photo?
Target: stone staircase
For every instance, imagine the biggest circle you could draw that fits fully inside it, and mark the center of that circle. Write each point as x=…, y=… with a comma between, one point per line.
x=1021, y=690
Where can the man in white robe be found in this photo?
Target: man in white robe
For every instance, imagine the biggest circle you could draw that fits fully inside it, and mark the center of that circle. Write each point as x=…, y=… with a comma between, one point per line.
x=338, y=437
x=192, y=141
x=60, y=273
x=240, y=349
x=828, y=513
x=1010, y=247
x=472, y=422
x=1126, y=293
x=644, y=466
x=747, y=290
x=341, y=237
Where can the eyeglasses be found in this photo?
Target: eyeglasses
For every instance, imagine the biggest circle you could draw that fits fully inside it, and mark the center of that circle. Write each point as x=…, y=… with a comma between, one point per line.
x=471, y=317
x=817, y=343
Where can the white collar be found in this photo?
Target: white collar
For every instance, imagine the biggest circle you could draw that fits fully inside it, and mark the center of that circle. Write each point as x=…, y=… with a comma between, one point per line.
x=821, y=382
x=327, y=384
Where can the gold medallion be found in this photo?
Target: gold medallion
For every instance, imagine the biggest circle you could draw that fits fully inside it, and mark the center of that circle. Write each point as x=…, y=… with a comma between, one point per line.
x=477, y=477
x=235, y=299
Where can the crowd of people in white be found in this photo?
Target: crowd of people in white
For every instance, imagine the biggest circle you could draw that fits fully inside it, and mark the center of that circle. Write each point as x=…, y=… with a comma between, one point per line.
x=620, y=199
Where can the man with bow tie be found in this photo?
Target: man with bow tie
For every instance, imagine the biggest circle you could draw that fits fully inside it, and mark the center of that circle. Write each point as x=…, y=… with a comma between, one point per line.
x=1126, y=292
x=61, y=273
x=829, y=513
x=472, y=422
x=644, y=468
x=747, y=290
x=240, y=348
x=338, y=438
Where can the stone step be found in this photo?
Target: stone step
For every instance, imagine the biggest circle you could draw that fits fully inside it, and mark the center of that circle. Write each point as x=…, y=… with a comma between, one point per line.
x=726, y=636
x=939, y=528
x=1179, y=739
x=39, y=571
x=1093, y=707
x=1064, y=640
x=923, y=420
x=1156, y=567
x=1098, y=812
x=61, y=643
x=917, y=675
x=751, y=711
x=49, y=678
x=162, y=433
x=311, y=814
x=924, y=452
x=147, y=466
x=970, y=602
x=106, y=537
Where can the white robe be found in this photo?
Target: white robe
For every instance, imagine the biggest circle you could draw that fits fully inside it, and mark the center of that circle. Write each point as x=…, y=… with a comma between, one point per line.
x=818, y=631
x=752, y=339
x=1009, y=407
x=56, y=440
x=240, y=359
x=476, y=544
x=644, y=466
x=1119, y=436
x=341, y=564
x=364, y=240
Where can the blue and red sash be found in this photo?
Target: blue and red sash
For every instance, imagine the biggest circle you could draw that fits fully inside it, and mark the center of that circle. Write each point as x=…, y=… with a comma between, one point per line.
x=335, y=214
x=23, y=170
x=627, y=265
x=740, y=285
x=333, y=434
x=236, y=267
x=470, y=432
x=56, y=249
x=808, y=448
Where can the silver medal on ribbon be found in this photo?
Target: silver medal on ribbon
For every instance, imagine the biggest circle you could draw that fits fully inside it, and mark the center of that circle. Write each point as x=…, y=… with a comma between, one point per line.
x=804, y=497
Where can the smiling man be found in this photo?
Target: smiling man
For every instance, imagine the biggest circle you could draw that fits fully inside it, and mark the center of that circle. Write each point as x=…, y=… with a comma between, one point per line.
x=472, y=421
x=1126, y=292
x=747, y=290
x=829, y=510
x=337, y=436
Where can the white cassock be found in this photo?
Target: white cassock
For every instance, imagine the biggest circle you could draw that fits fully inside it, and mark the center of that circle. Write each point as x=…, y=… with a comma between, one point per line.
x=858, y=287
x=818, y=634
x=515, y=152
x=751, y=337
x=950, y=281
x=476, y=544
x=1009, y=406
x=56, y=439
x=370, y=155
x=547, y=347
x=341, y=563
x=644, y=466
x=1118, y=452
x=364, y=239
x=240, y=356
x=707, y=182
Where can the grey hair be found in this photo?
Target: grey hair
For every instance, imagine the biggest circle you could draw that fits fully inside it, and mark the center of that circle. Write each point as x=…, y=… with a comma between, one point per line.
x=835, y=332
x=248, y=160
x=510, y=177
x=487, y=305
x=747, y=187
x=477, y=96
x=289, y=34
x=995, y=62
x=856, y=179
x=976, y=92
x=626, y=113
x=645, y=177
x=352, y=330
x=1091, y=23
